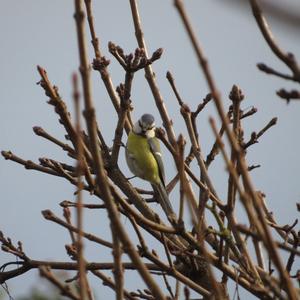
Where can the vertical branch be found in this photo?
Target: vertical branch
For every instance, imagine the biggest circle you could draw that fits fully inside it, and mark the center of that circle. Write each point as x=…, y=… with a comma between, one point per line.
x=177, y=290
x=102, y=180
x=90, y=18
x=184, y=183
x=79, y=206
x=236, y=97
x=118, y=268
x=259, y=254
x=181, y=179
x=123, y=112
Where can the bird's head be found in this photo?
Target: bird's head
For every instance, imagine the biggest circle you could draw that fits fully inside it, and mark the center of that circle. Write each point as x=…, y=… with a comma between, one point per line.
x=145, y=126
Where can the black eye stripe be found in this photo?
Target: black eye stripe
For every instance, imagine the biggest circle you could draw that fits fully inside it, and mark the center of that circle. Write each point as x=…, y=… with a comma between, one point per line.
x=145, y=128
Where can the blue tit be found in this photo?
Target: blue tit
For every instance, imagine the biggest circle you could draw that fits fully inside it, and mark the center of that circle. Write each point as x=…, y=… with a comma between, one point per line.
x=144, y=159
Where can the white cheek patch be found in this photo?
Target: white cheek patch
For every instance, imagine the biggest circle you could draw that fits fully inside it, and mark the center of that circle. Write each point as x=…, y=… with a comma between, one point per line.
x=158, y=153
x=150, y=134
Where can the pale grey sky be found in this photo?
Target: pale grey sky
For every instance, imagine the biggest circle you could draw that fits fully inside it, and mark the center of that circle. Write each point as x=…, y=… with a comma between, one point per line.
x=43, y=32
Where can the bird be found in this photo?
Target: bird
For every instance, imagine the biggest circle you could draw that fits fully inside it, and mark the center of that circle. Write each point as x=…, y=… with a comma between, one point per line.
x=144, y=159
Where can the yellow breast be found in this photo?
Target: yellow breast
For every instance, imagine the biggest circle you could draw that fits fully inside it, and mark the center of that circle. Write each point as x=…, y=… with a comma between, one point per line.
x=140, y=159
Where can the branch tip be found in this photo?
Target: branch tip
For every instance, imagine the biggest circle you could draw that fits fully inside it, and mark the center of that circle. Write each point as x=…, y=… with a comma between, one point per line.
x=38, y=130
x=47, y=214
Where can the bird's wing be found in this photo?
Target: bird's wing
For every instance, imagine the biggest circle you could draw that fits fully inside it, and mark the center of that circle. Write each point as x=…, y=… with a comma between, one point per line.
x=155, y=149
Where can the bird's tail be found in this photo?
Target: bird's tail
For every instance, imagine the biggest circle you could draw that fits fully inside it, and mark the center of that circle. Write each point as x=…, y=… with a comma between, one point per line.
x=164, y=200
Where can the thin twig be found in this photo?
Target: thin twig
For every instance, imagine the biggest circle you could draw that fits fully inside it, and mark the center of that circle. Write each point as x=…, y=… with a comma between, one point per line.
x=255, y=136
x=64, y=288
x=287, y=58
x=28, y=164
x=49, y=215
x=118, y=270
x=268, y=70
x=83, y=283
x=289, y=95
x=41, y=132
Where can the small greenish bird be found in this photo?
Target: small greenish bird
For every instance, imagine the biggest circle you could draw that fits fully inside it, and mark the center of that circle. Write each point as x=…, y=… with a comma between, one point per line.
x=144, y=159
